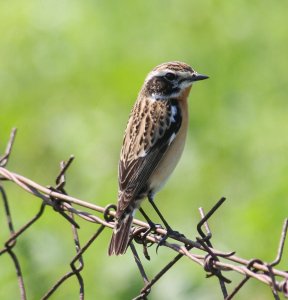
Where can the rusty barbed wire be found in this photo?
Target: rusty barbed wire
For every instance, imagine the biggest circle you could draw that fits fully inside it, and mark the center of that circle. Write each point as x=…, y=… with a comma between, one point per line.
x=213, y=261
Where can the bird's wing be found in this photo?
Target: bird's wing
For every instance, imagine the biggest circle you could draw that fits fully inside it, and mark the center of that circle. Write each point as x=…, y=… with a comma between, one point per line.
x=151, y=128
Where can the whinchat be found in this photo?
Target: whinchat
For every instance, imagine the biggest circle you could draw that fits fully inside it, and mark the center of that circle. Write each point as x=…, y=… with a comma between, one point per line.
x=153, y=142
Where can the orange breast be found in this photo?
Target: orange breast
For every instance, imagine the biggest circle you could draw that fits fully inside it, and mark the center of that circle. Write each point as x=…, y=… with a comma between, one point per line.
x=173, y=153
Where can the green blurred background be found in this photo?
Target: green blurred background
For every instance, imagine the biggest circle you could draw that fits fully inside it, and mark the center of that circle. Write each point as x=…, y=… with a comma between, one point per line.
x=70, y=73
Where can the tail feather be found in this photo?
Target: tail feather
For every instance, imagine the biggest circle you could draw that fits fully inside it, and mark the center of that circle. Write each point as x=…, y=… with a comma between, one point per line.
x=120, y=237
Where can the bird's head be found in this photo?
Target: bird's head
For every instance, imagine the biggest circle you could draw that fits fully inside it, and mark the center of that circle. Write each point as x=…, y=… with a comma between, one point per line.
x=170, y=80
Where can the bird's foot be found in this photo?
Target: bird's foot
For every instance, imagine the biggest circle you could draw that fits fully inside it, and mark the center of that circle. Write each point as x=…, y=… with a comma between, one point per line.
x=152, y=229
x=140, y=235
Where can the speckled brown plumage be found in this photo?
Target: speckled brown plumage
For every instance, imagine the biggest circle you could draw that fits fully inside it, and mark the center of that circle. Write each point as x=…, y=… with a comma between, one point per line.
x=147, y=135
x=153, y=142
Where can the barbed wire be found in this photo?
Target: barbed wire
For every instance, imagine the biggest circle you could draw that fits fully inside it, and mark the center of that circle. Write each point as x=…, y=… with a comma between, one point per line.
x=213, y=261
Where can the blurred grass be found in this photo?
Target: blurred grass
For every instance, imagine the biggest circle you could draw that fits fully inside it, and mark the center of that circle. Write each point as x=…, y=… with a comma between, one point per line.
x=70, y=72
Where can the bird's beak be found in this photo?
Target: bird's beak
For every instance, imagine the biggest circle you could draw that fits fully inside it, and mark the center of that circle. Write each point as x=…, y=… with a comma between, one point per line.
x=196, y=77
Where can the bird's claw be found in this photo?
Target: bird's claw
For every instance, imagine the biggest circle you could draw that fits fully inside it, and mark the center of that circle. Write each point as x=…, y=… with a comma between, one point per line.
x=152, y=229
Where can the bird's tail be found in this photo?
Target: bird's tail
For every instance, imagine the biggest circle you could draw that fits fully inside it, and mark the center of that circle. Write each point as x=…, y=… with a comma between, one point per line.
x=120, y=237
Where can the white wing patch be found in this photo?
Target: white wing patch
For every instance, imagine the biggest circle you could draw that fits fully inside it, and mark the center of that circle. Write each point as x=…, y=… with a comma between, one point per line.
x=172, y=138
x=174, y=112
x=143, y=153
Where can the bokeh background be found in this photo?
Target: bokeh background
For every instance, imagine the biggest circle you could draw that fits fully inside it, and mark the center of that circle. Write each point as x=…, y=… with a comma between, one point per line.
x=70, y=73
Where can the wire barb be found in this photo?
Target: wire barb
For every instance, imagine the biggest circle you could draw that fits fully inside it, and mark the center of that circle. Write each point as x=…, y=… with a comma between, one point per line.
x=281, y=244
x=4, y=159
x=212, y=260
x=206, y=244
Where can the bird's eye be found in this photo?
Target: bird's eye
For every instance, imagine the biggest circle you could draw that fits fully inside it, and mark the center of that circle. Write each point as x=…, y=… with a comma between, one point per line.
x=170, y=76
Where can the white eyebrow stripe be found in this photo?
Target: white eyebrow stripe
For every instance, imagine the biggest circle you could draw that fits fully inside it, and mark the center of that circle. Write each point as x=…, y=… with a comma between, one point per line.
x=164, y=72
x=155, y=73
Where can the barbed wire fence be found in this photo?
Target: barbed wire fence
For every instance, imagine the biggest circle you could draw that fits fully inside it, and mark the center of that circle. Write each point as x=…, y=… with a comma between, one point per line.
x=213, y=261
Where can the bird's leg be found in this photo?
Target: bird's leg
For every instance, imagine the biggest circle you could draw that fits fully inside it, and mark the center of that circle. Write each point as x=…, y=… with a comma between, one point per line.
x=152, y=225
x=151, y=200
x=170, y=231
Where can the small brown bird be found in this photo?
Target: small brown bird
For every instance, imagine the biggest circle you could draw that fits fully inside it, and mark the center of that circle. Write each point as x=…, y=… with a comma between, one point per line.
x=153, y=142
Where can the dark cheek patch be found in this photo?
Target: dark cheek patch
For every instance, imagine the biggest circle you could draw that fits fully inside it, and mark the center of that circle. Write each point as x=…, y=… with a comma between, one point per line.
x=160, y=86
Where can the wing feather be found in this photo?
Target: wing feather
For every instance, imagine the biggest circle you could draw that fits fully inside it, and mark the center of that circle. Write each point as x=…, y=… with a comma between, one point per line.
x=150, y=130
